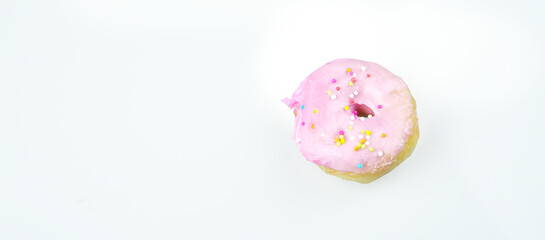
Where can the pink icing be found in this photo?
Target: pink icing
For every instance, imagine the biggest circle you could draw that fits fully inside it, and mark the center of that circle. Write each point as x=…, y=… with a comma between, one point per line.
x=373, y=86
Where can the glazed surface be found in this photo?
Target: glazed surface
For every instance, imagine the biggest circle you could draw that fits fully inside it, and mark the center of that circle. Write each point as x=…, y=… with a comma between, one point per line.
x=325, y=105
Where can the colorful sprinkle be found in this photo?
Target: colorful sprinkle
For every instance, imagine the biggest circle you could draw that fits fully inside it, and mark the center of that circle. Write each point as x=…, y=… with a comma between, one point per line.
x=338, y=88
x=360, y=166
x=352, y=118
x=350, y=123
x=303, y=123
x=349, y=127
x=341, y=136
x=348, y=70
x=368, y=137
x=351, y=95
x=328, y=92
x=362, y=140
x=363, y=68
x=341, y=132
x=333, y=97
x=356, y=93
x=336, y=139
x=379, y=106
x=338, y=144
x=351, y=138
x=361, y=136
x=350, y=84
x=363, y=146
x=369, y=116
x=380, y=154
x=362, y=119
x=383, y=135
x=368, y=132
x=359, y=144
x=303, y=107
x=362, y=131
x=353, y=80
x=371, y=149
x=353, y=75
x=356, y=148
x=351, y=101
x=333, y=80
x=368, y=75
x=315, y=111
x=342, y=140
x=345, y=108
x=312, y=126
x=355, y=112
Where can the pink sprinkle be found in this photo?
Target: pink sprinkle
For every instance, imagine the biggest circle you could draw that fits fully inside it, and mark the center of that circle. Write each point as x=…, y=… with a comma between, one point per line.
x=379, y=106
x=355, y=112
x=353, y=80
x=333, y=80
x=368, y=75
x=303, y=123
x=341, y=132
x=351, y=73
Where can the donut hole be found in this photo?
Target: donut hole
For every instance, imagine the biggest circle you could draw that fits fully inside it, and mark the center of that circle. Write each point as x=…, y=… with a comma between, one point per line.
x=363, y=110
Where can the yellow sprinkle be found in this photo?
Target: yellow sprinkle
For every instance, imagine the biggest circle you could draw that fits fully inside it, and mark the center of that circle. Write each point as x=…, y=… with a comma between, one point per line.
x=384, y=135
x=312, y=126
x=338, y=144
x=368, y=132
x=341, y=136
x=359, y=144
x=336, y=139
x=362, y=131
x=345, y=108
x=315, y=111
x=349, y=127
x=356, y=148
x=349, y=70
x=350, y=84
x=328, y=92
x=342, y=140
x=363, y=146
x=371, y=149
x=362, y=140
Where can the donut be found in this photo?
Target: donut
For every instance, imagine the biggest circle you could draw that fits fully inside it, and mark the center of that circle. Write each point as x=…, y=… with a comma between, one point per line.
x=354, y=119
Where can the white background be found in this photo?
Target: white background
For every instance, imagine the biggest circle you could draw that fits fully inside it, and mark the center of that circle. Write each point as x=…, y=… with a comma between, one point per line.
x=162, y=119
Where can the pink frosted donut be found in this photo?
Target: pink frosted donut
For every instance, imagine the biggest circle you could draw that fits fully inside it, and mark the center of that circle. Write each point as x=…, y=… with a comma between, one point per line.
x=354, y=119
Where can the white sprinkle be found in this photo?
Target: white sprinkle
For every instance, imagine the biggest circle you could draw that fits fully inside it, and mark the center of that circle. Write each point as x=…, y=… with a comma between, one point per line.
x=362, y=119
x=368, y=137
x=361, y=136
x=351, y=138
x=298, y=140
x=370, y=116
x=323, y=134
x=351, y=95
x=353, y=75
x=367, y=143
x=380, y=154
x=352, y=117
x=356, y=93
x=333, y=96
x=350, y=123
x=363, y=68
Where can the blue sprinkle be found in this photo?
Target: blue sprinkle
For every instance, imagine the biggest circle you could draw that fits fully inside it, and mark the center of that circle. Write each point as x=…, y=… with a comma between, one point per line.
x=303, y=107
x=360, y=166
